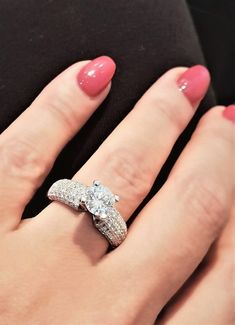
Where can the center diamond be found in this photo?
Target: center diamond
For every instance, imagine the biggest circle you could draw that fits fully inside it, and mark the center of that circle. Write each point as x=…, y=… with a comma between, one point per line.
x=99, y=198
x=99, y=192
x=96, y=207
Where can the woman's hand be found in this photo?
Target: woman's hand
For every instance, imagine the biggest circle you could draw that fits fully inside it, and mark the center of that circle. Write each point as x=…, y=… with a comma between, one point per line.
x=54, y=268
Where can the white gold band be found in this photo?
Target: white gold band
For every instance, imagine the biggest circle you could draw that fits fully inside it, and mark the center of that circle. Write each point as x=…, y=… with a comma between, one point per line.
x=96, y=199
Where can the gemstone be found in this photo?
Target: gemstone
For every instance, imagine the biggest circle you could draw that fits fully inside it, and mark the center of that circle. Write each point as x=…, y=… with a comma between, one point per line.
x=101, y=193
x=96, y=207
x=99, y=199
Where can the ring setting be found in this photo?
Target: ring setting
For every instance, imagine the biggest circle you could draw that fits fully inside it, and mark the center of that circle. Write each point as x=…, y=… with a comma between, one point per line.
x=98, y=201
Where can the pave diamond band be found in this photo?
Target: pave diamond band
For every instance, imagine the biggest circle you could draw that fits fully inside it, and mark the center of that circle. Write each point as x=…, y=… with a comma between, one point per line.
x=96, y=199
x=68, y=192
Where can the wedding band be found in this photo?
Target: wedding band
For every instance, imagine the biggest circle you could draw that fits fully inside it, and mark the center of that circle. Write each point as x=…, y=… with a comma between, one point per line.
x=96, y=199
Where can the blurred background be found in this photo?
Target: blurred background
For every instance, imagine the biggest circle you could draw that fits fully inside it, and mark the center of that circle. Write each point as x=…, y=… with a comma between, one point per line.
x=215, y=24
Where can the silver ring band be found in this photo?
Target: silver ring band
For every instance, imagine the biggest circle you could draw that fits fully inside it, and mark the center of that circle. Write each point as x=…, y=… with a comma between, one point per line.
x=95, y=199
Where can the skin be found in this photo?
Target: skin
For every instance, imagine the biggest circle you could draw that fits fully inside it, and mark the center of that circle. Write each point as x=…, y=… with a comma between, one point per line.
x=54, y=268
x=209, y=295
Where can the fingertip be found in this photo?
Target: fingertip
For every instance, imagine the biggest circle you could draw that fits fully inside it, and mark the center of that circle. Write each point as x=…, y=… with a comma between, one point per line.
x=95, y=76
x=194, y=83
x=229, y=113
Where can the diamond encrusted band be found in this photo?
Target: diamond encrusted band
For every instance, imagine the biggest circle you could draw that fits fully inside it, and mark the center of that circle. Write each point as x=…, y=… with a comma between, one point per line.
x=96, y=199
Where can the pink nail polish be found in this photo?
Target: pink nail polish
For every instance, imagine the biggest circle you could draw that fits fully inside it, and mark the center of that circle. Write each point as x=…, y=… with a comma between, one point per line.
x=96, y=75
x=229, y=113
x=194, y=83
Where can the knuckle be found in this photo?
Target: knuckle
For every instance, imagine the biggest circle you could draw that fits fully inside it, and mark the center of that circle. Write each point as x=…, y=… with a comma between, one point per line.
x=63, y=106
x=130, y=172
x=19, y=158
x=206, y=206
x=170, y=114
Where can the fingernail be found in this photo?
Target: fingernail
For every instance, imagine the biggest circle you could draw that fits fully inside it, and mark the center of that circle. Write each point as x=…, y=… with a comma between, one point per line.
x=229, y=113
x=194, y=83
x=96, y=75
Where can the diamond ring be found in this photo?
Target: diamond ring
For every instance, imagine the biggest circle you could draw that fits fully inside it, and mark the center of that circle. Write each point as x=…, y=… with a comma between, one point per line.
x=96, y=199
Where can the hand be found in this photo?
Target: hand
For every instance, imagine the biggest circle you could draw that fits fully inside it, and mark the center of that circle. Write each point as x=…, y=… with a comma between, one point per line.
x=54, y=267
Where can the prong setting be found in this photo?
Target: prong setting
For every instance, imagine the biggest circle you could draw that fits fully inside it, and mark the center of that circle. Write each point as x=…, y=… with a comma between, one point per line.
x=117, y=198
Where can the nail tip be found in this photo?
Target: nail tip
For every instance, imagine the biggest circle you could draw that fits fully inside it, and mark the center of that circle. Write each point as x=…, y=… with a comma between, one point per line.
x=106, y=58
x=195, y=82
x=229, y=112
x=202, y=71
x=96, y=75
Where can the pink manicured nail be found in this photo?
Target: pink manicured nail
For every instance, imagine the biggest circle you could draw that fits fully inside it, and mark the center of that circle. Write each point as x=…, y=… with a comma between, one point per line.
x=194, y=83
x=96, y=75
x=229, y=113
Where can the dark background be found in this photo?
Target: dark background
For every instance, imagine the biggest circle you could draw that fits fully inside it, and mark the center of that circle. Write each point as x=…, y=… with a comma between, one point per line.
x=38, y=39
x=215, y=24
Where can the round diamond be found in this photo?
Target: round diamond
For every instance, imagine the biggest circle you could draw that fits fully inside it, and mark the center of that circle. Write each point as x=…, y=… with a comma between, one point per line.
x=98, y=199
x=97, y=208
x=101, y=193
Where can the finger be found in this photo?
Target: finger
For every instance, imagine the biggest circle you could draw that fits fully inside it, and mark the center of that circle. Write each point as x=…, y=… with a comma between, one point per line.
x=132, y=156
x=208, y=296
x=174, y=231
x=30, y=145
